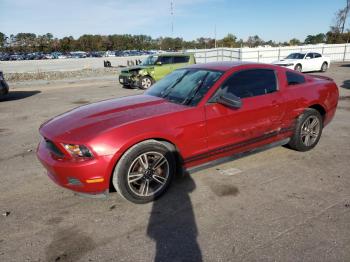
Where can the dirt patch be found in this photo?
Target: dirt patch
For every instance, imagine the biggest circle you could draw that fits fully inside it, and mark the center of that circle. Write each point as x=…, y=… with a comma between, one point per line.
x=344, y=98
x=224, y=190
x=3, y=130
x=81, y=102
x=69, y=244
x=54, y=221
x=344, y=108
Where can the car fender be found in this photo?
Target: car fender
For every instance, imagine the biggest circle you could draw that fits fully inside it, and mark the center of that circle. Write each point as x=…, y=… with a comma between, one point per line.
x=135, y=140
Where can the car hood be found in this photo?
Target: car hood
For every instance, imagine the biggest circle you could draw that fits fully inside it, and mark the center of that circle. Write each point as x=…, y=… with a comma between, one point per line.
x=286, y=61
x=86, y=122
x=134, y=68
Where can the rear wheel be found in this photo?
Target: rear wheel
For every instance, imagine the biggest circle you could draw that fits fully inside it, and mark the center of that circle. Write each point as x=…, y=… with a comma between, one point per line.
x=144, y=172
x=324, y=67
x=146, y=82
x=308, y=130
x=298, y=68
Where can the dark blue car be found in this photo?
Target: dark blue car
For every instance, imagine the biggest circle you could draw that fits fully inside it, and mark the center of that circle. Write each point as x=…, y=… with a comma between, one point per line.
x=4, y=88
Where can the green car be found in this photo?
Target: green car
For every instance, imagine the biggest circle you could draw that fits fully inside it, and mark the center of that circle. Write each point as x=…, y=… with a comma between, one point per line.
x=154, y=68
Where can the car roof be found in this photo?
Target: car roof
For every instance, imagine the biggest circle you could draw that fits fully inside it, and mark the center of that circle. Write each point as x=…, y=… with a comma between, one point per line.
x=222, y=66
x=174, y=54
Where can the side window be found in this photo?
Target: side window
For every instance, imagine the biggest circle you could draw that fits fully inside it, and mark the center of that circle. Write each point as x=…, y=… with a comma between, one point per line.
x=294, y=79
x=253, y=82
x=317, y=55
x=165, y=60
x=310, y=55
x=181, y=59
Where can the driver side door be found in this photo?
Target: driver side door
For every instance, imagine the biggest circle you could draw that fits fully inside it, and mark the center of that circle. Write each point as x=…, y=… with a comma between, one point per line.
x=259, y=116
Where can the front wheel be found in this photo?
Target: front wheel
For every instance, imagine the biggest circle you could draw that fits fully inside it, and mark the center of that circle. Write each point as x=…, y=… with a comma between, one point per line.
x=308, y=130
x=144, y=172
x=146, y=82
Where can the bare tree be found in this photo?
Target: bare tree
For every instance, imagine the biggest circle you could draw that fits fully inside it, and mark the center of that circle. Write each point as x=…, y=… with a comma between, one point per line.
x=340, y=19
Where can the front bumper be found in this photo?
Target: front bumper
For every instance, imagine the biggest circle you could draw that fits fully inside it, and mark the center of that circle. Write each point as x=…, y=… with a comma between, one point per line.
x=126, y=80
x=86, y=176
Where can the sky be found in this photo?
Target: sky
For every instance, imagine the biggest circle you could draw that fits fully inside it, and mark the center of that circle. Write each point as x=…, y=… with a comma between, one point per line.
x=278, y=20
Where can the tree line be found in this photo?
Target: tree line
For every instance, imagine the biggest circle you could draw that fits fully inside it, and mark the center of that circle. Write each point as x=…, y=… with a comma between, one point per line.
x=29, y=42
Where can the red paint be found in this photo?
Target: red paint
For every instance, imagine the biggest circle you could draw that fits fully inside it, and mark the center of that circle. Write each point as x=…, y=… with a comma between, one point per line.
x=110, y=127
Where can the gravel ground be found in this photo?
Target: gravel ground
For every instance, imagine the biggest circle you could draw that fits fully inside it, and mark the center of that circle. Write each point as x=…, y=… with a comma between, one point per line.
x=276, y=205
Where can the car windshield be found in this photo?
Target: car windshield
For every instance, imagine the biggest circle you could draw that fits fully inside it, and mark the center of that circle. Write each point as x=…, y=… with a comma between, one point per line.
x=151, y=60
x=185, y=86
x=296, y=56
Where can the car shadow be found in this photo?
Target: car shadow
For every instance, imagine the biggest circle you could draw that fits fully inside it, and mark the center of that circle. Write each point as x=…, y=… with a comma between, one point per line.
x=345, y=65
x=17, y=95
x=172, y=224
x=346, y=84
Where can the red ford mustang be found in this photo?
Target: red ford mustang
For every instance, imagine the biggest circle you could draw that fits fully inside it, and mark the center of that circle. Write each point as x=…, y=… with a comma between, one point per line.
x=196, y=115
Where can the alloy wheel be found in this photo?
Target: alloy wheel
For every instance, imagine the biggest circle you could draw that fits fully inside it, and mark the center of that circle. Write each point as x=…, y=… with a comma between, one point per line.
x=310, y=130
x=148, y=174
x=146, y=82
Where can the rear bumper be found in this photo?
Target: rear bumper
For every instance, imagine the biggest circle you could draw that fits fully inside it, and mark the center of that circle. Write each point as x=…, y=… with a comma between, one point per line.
x=88, y=176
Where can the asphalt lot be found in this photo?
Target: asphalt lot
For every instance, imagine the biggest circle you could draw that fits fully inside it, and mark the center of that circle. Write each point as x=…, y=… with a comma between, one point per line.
x=277, y=205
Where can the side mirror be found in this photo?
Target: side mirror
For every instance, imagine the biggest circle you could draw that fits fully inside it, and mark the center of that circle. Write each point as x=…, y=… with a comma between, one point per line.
x=159, y=63
x=229, y=100
x=308, y=57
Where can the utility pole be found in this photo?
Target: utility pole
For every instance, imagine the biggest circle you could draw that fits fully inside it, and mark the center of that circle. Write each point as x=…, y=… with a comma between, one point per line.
x=215, y=34
x=172, y=18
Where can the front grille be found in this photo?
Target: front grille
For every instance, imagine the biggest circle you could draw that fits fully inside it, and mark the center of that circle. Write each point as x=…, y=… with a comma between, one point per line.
x=53, y=148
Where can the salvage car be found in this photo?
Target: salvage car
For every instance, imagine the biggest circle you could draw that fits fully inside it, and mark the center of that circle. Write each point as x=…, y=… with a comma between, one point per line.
x=305, y=62
x=198, y=115
x=4, y=88
x=154, y=68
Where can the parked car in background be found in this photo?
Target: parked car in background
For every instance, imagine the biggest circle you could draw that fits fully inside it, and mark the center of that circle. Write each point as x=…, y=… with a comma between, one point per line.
x=197, y=115
x=154, y=68
x=4, y=88
x=305, y=62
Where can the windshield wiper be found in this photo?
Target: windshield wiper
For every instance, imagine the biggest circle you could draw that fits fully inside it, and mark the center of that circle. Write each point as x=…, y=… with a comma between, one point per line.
x=167, y=91
x=195, y=90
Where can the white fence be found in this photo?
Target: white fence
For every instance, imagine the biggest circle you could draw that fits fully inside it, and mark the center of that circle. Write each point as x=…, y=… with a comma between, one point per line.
x=336, y=52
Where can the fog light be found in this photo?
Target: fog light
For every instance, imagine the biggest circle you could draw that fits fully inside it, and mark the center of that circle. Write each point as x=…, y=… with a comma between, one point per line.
x=74, y=181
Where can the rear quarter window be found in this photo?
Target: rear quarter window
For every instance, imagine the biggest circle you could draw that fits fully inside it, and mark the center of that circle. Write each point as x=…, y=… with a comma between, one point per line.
x=181, y=59
x=294, y=79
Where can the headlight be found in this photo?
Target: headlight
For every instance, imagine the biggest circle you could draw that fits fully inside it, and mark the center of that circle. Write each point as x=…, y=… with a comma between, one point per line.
x=78, y=150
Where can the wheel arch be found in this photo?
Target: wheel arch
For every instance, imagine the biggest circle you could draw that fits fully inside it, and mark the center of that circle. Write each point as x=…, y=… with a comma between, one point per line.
x=320, y=109
x=169, y=143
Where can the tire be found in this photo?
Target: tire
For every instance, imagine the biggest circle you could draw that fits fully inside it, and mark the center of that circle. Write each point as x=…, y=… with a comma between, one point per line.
x=146, y=82
x=298, y=68
x=127, y=87
x=307, y=132
x=324, y=67
x=136, y=180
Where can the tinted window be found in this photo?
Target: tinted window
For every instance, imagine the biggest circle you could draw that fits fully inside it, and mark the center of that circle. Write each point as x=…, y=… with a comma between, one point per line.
x=296, y=56
x=316, y=55
x=310, y=55
x=181, y=59
x=250, y=83
x=294, y=79
x=165, y=59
